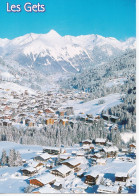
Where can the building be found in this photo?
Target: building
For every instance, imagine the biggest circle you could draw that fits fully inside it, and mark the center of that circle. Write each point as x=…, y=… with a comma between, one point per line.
x=100, y=141
x=73, y=163
x=42, y=180
x=64, y=121
x=121, y=177
x=43, y=157
x=28, y=171
x=52, y=150
x=91, y=177
x=86, y=142
x=108, y=189
x=61, y=171
x=111, y=151
x=49, y=121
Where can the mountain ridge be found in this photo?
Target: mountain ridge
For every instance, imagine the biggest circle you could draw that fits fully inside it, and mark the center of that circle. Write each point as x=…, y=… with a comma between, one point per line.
x=51, y=53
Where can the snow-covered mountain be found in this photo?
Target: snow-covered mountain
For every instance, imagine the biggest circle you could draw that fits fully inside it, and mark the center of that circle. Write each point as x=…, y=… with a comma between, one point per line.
x=52, y=53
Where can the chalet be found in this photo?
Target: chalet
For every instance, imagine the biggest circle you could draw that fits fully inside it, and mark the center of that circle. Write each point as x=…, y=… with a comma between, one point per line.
x=49, y=121
x=86, y=148
x=64, y=157
x=100, y=141
x=28, y=171
x=53, y=150
x=97, y=156
x=35, y=164
x=91, y=177
x=108, y=189
x=29, y=123
x=111, y=151
x=73, y=163
x=64, y=121
x=43, y=157
x=61, y=171
x=121, y=177
x=42, y=180
x=132, y=146
x=86, y=142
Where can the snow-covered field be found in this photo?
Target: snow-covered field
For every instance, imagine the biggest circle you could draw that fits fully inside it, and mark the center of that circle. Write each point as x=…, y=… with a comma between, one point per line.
x=26, y=151
x=92, y=107
x=11, y=180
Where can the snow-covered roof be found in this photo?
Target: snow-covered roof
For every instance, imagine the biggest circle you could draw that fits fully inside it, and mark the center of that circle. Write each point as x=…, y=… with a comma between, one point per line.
x=46, y=189
x=92, y=173
x=52, y=148
x=87, y=140
x=121, y=174
x=98, y=155
x=62, y=169
x=108, y=189
x=30, y=169
x=46, y=178
x=44, y=156
x=64, y=156
x=100, y=140
x=73, y=161
x=111, y=149
x=32, y=163
x=114, y=166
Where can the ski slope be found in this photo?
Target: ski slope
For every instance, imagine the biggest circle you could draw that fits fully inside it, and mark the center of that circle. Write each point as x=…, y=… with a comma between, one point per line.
x=92, y=107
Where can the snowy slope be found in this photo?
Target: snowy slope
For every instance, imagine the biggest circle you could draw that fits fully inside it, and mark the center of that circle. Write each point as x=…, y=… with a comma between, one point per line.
x=92, y=107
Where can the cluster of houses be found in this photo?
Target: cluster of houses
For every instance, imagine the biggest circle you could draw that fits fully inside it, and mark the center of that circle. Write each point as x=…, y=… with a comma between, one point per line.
x=38, y=109
x=96, y=163
x=42, y=109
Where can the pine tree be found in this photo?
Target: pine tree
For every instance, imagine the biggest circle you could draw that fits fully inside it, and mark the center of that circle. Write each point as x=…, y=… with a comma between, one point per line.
x=18, y=161
x=4, y=158
x=12, y=158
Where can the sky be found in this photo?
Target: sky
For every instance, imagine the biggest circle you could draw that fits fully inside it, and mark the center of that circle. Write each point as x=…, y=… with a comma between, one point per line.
x=109, y=18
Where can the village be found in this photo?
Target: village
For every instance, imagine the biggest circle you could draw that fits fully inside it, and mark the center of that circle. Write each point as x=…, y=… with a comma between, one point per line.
x=35, y=110
x=93, y=166
x=88, y=167
x=42, y=109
